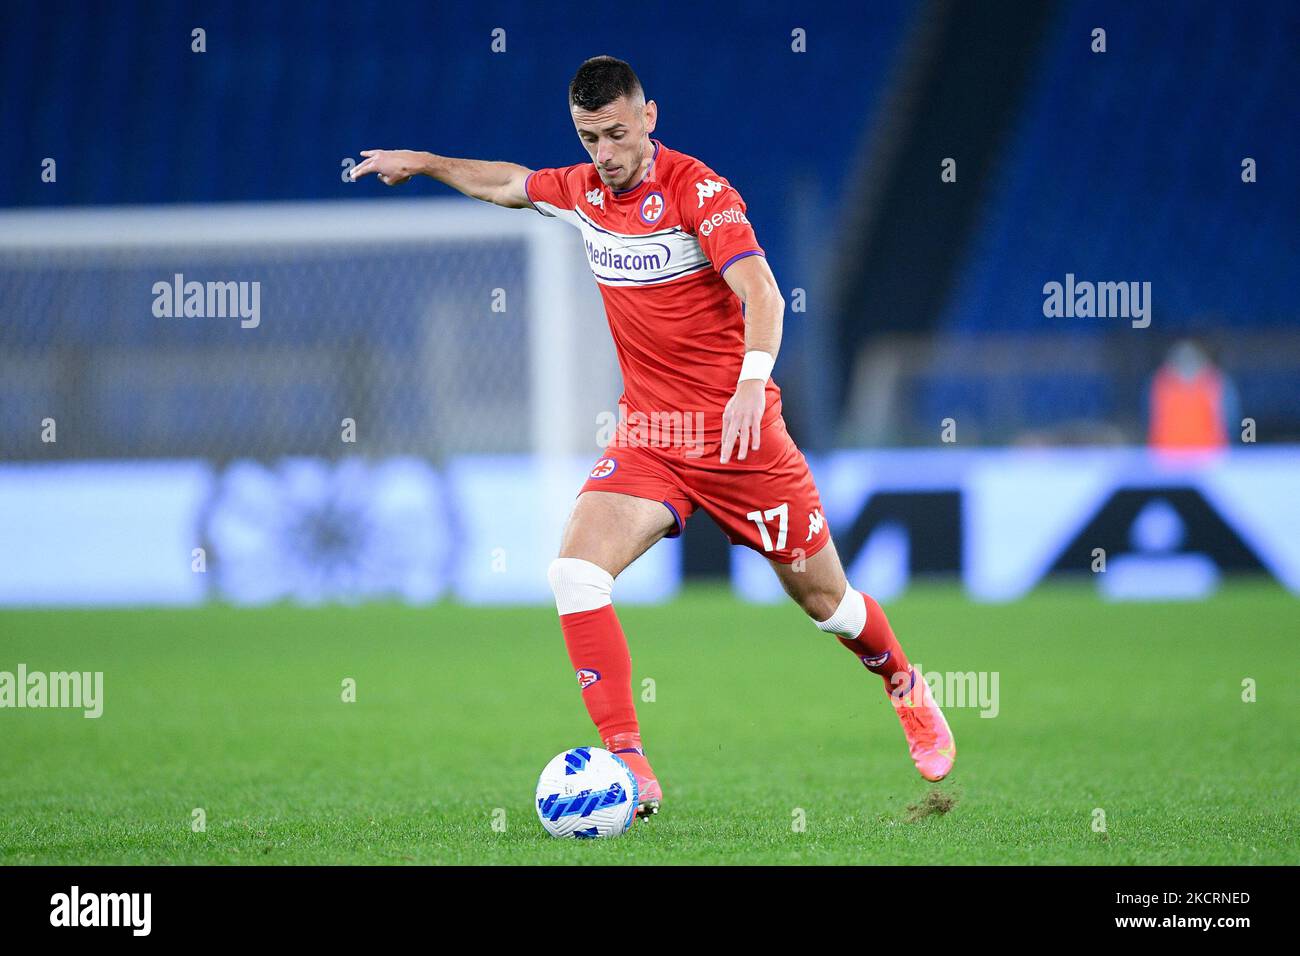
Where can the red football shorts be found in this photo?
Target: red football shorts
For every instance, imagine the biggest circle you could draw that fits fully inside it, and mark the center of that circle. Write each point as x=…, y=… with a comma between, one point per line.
x=768, y=502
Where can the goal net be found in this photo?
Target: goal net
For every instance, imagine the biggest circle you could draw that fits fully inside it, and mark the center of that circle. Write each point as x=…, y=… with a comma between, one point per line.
x=432, y=327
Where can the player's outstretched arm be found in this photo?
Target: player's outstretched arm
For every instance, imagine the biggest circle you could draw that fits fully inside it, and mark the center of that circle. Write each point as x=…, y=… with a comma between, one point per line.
x=499, y=183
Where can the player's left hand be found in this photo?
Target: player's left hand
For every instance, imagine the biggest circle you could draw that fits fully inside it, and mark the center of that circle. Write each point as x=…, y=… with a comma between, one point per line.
x=742, y=418
x=392, y=166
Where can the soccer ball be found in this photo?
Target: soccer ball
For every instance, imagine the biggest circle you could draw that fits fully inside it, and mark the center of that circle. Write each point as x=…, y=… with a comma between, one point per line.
x=586, y=792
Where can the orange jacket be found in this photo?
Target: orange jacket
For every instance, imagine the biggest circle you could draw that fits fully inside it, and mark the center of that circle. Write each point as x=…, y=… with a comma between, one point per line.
x=1188, y=413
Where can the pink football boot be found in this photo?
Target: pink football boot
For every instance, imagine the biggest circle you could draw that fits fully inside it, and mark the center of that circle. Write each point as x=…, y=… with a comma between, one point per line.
x=627, y=747
x=929, y=740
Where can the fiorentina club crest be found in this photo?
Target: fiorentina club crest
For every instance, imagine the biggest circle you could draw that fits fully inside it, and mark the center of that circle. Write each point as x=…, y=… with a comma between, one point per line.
x=587, y=677
x=652, y=208
x=603, y=468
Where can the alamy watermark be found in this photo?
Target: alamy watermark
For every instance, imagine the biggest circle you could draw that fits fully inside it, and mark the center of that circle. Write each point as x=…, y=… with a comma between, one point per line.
x=657, y=429
x=130, y=910
x=76, y=690
x=1102, y=300
x=208, y=300
x=951, y=689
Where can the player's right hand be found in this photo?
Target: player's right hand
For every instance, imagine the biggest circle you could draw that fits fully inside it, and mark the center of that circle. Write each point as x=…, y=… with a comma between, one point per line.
x=742, y=419
x=392, y=166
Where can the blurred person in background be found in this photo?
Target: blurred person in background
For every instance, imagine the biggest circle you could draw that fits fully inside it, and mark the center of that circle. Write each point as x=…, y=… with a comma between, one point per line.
x=1191, y=403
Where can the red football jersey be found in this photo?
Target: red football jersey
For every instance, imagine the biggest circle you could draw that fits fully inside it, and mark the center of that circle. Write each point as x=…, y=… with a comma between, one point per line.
x=658, y=252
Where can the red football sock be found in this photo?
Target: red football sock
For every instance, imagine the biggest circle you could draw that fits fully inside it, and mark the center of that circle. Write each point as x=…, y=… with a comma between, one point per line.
x=599, y=654
x=879, y=650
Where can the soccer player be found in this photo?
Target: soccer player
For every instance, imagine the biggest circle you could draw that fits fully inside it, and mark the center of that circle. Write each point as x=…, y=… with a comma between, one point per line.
x=696, y=316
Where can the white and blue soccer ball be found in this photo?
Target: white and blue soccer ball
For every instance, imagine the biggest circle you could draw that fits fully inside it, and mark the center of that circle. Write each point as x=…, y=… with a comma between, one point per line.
x=586, y=792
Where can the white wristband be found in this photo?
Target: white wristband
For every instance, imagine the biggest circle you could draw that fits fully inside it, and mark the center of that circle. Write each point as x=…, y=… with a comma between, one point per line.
x=757, y=365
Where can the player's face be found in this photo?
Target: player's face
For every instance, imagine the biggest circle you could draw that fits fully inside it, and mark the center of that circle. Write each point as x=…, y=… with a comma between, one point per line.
x=617, y=137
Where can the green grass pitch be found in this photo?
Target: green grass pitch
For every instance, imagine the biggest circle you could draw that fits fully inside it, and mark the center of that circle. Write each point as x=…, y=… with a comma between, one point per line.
x=758, y=721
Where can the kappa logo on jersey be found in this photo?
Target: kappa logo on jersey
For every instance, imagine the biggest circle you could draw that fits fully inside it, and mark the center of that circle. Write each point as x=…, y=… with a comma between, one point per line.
x=596, y=197
x=652, y=208
x=815, y=524
x=707, y=189
x=721, y=219
x=587, y=677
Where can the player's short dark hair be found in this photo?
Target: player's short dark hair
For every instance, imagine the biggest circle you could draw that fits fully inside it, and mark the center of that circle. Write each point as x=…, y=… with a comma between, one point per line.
x=600, y=81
